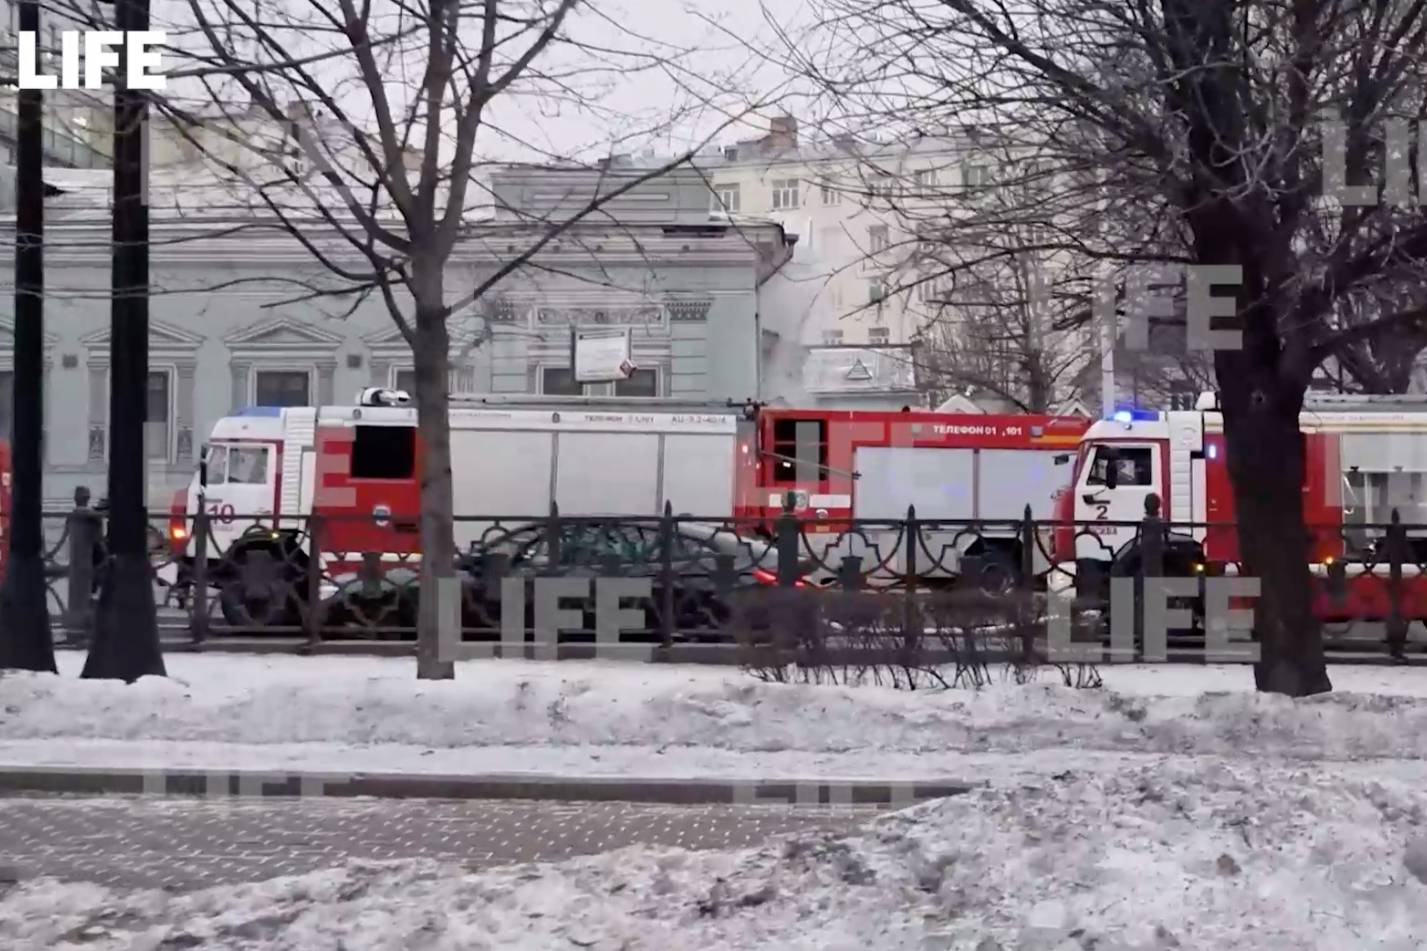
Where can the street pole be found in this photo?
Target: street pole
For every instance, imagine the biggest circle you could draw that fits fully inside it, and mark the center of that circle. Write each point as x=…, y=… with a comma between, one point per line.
x=126, y=639
x=25, y=642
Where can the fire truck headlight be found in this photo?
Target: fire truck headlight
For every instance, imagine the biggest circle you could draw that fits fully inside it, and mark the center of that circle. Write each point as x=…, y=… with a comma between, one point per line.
x=822, y=513
x=178, y=533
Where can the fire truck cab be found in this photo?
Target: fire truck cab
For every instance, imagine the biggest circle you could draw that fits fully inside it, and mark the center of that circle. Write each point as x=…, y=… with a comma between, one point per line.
x=1366, y=456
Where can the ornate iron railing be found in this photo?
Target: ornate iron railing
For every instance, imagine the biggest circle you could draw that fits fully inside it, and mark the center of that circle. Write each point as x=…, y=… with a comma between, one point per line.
x=294, y=580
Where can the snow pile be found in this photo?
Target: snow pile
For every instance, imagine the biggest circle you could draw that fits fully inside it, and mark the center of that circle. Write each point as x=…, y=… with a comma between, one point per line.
x=1186, y=857
x=215, y=699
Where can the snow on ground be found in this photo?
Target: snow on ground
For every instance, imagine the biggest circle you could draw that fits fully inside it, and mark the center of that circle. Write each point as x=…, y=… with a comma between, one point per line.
x=1249, y=856
x=611, y=718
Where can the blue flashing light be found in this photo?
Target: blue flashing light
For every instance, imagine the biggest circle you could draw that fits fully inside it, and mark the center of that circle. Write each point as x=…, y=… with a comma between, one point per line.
x=260, y=411
x=1129, y=414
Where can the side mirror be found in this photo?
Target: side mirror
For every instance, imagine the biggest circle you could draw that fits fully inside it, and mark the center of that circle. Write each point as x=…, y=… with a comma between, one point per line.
x=203, y=465
x=1112, y=474
x=1062, y=458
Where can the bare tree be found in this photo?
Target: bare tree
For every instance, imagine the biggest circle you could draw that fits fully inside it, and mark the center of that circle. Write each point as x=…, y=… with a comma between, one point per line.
x=1210, y=116
x=990, y=332
x=365, y=131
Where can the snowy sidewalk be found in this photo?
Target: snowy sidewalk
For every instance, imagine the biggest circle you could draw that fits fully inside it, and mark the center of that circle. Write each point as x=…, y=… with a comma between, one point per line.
x=1173, y=809
x=606, y=720
x=1249, y=856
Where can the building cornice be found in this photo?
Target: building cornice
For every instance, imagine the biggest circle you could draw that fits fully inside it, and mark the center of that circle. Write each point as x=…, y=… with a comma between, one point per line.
x=181, y=243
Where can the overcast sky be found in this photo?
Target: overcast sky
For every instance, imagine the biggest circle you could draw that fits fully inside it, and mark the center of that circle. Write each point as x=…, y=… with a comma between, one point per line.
x=726, y=55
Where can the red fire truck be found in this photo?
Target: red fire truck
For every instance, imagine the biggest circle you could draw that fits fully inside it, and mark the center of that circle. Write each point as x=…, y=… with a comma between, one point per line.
x=359, y=466
x=951, y=467
x=1365, y=457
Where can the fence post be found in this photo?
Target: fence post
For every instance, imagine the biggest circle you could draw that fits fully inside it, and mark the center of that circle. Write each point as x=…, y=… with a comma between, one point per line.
x=198, y=603
x=911, y=627
x=666, y=576
x=1396, y=555
x=1151, y=565
x=314, y=617
x=1026, y=586
x=552, y=535
x=84, y=530
x=787, y=536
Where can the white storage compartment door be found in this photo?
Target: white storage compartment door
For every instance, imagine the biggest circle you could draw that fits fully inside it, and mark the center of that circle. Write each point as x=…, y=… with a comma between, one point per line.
x=937, y=481
x=1011, y=479
x=698, y=474
x=501, y=473
x=607, y=473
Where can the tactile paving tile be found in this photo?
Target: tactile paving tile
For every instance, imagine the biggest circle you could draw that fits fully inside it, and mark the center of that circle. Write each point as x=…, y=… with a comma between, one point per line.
x=143, y=842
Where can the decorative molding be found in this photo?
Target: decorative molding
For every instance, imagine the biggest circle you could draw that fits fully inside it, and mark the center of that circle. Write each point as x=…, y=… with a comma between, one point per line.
x=500, y=311
x=167, y=343
x=7, y=336
x=688, y=311
x=599, y=316
x=282, y=335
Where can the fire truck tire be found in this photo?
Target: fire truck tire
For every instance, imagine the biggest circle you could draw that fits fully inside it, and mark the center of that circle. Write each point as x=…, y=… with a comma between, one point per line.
x=243, y=608
x=999, y=570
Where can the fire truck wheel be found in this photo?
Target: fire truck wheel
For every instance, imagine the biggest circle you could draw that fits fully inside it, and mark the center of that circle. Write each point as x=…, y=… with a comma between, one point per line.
x=242, y=606
x=998, y=571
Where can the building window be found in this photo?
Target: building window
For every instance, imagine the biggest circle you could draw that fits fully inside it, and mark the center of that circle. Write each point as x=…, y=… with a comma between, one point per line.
x=640, y=383
x=726, y=198
x=559, y=381
x=785, y=193
x=877, y=239
x=975, y=175
x=282, y=388
x=878, y=335
x=158, y=413
x=926, y=178
x=832, y=338
x=831, y=194
x=404, y=378
x=884, y=186
x=875, y=291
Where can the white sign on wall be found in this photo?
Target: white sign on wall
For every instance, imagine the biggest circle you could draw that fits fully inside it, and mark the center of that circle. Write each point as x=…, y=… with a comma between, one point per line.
x=601, y=356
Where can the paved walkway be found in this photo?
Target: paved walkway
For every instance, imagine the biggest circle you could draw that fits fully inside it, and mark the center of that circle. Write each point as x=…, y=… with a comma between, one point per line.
x=182, y=843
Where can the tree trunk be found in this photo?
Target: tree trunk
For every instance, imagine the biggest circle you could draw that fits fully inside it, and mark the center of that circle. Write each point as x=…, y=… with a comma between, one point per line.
x=1265, y=457
x=431, y=355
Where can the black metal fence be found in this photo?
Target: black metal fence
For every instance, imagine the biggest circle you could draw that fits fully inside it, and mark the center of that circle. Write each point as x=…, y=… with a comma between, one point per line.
x=302, y=582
